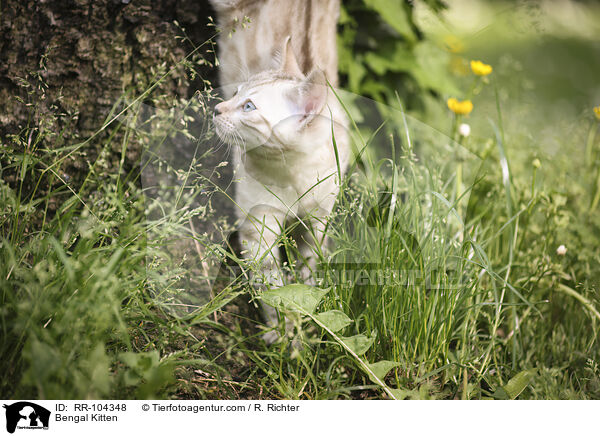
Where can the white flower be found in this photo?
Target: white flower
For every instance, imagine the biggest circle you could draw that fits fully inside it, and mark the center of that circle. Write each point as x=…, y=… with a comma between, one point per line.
x=561, y=250
x=464, y=130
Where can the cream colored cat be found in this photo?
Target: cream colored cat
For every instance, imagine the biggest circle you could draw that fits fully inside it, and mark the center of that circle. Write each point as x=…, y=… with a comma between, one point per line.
x=282, y=122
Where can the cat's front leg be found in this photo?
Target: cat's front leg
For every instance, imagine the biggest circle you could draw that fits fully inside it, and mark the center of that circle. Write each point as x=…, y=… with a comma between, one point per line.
x=259, y=235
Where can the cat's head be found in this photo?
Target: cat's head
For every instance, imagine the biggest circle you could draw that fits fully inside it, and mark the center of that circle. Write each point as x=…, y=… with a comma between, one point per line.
x=273, y=108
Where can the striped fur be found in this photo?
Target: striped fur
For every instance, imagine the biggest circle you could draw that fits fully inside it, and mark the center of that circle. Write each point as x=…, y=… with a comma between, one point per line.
x=247, y=48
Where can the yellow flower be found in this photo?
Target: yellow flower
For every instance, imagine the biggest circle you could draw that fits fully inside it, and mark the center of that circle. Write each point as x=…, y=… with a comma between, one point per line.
x=460, y=107
x=597, y=112
x=480, y=68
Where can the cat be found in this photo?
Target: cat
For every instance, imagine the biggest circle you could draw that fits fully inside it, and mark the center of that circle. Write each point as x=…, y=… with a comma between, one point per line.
x=281, y=120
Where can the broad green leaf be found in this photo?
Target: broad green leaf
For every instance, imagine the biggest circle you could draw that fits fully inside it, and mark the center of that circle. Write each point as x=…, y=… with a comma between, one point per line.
x=391, y=58
x=296, y=297
x=518, y=383
x=513, y=388
x=334, y=320
x=400, y=394
x=394, y=14
x=501, y=394
x=353, y=66
x=381, y=368
x=359, y=344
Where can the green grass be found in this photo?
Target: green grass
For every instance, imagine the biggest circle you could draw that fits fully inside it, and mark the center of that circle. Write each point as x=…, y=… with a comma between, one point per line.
x=436, y=285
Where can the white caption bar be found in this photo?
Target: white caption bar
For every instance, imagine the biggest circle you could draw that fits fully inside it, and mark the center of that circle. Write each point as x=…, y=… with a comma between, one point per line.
x=154, y=417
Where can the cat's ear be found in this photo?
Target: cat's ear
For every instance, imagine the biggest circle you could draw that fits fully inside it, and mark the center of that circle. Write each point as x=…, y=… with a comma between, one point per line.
x=289, y=64
x=313, y=95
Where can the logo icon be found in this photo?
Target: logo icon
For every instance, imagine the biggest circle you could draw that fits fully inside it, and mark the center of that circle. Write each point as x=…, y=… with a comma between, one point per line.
x=26, y=415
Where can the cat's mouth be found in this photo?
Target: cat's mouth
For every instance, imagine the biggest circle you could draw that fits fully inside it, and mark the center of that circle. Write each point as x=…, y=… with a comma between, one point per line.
x=224, y=128
x=244, y=136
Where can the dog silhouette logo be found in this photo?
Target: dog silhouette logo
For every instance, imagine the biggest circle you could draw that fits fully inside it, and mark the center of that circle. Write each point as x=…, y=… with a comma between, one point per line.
x=26, y=415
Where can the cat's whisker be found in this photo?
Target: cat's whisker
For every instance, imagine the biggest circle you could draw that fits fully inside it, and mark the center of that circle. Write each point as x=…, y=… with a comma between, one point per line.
x=240, y=139
x=220, y=143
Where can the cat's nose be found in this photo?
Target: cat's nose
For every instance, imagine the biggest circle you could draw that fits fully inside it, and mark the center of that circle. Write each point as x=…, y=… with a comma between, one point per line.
x=219, y=109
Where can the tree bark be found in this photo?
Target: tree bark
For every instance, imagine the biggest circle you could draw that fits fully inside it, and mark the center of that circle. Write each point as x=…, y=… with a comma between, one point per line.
x=64, y=63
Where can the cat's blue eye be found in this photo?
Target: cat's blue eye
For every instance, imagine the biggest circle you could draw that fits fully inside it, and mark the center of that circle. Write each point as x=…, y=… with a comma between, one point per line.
x=249, y=106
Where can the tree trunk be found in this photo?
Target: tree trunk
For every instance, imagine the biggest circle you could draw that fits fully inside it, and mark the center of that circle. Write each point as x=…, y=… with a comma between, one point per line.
x=63, y=64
